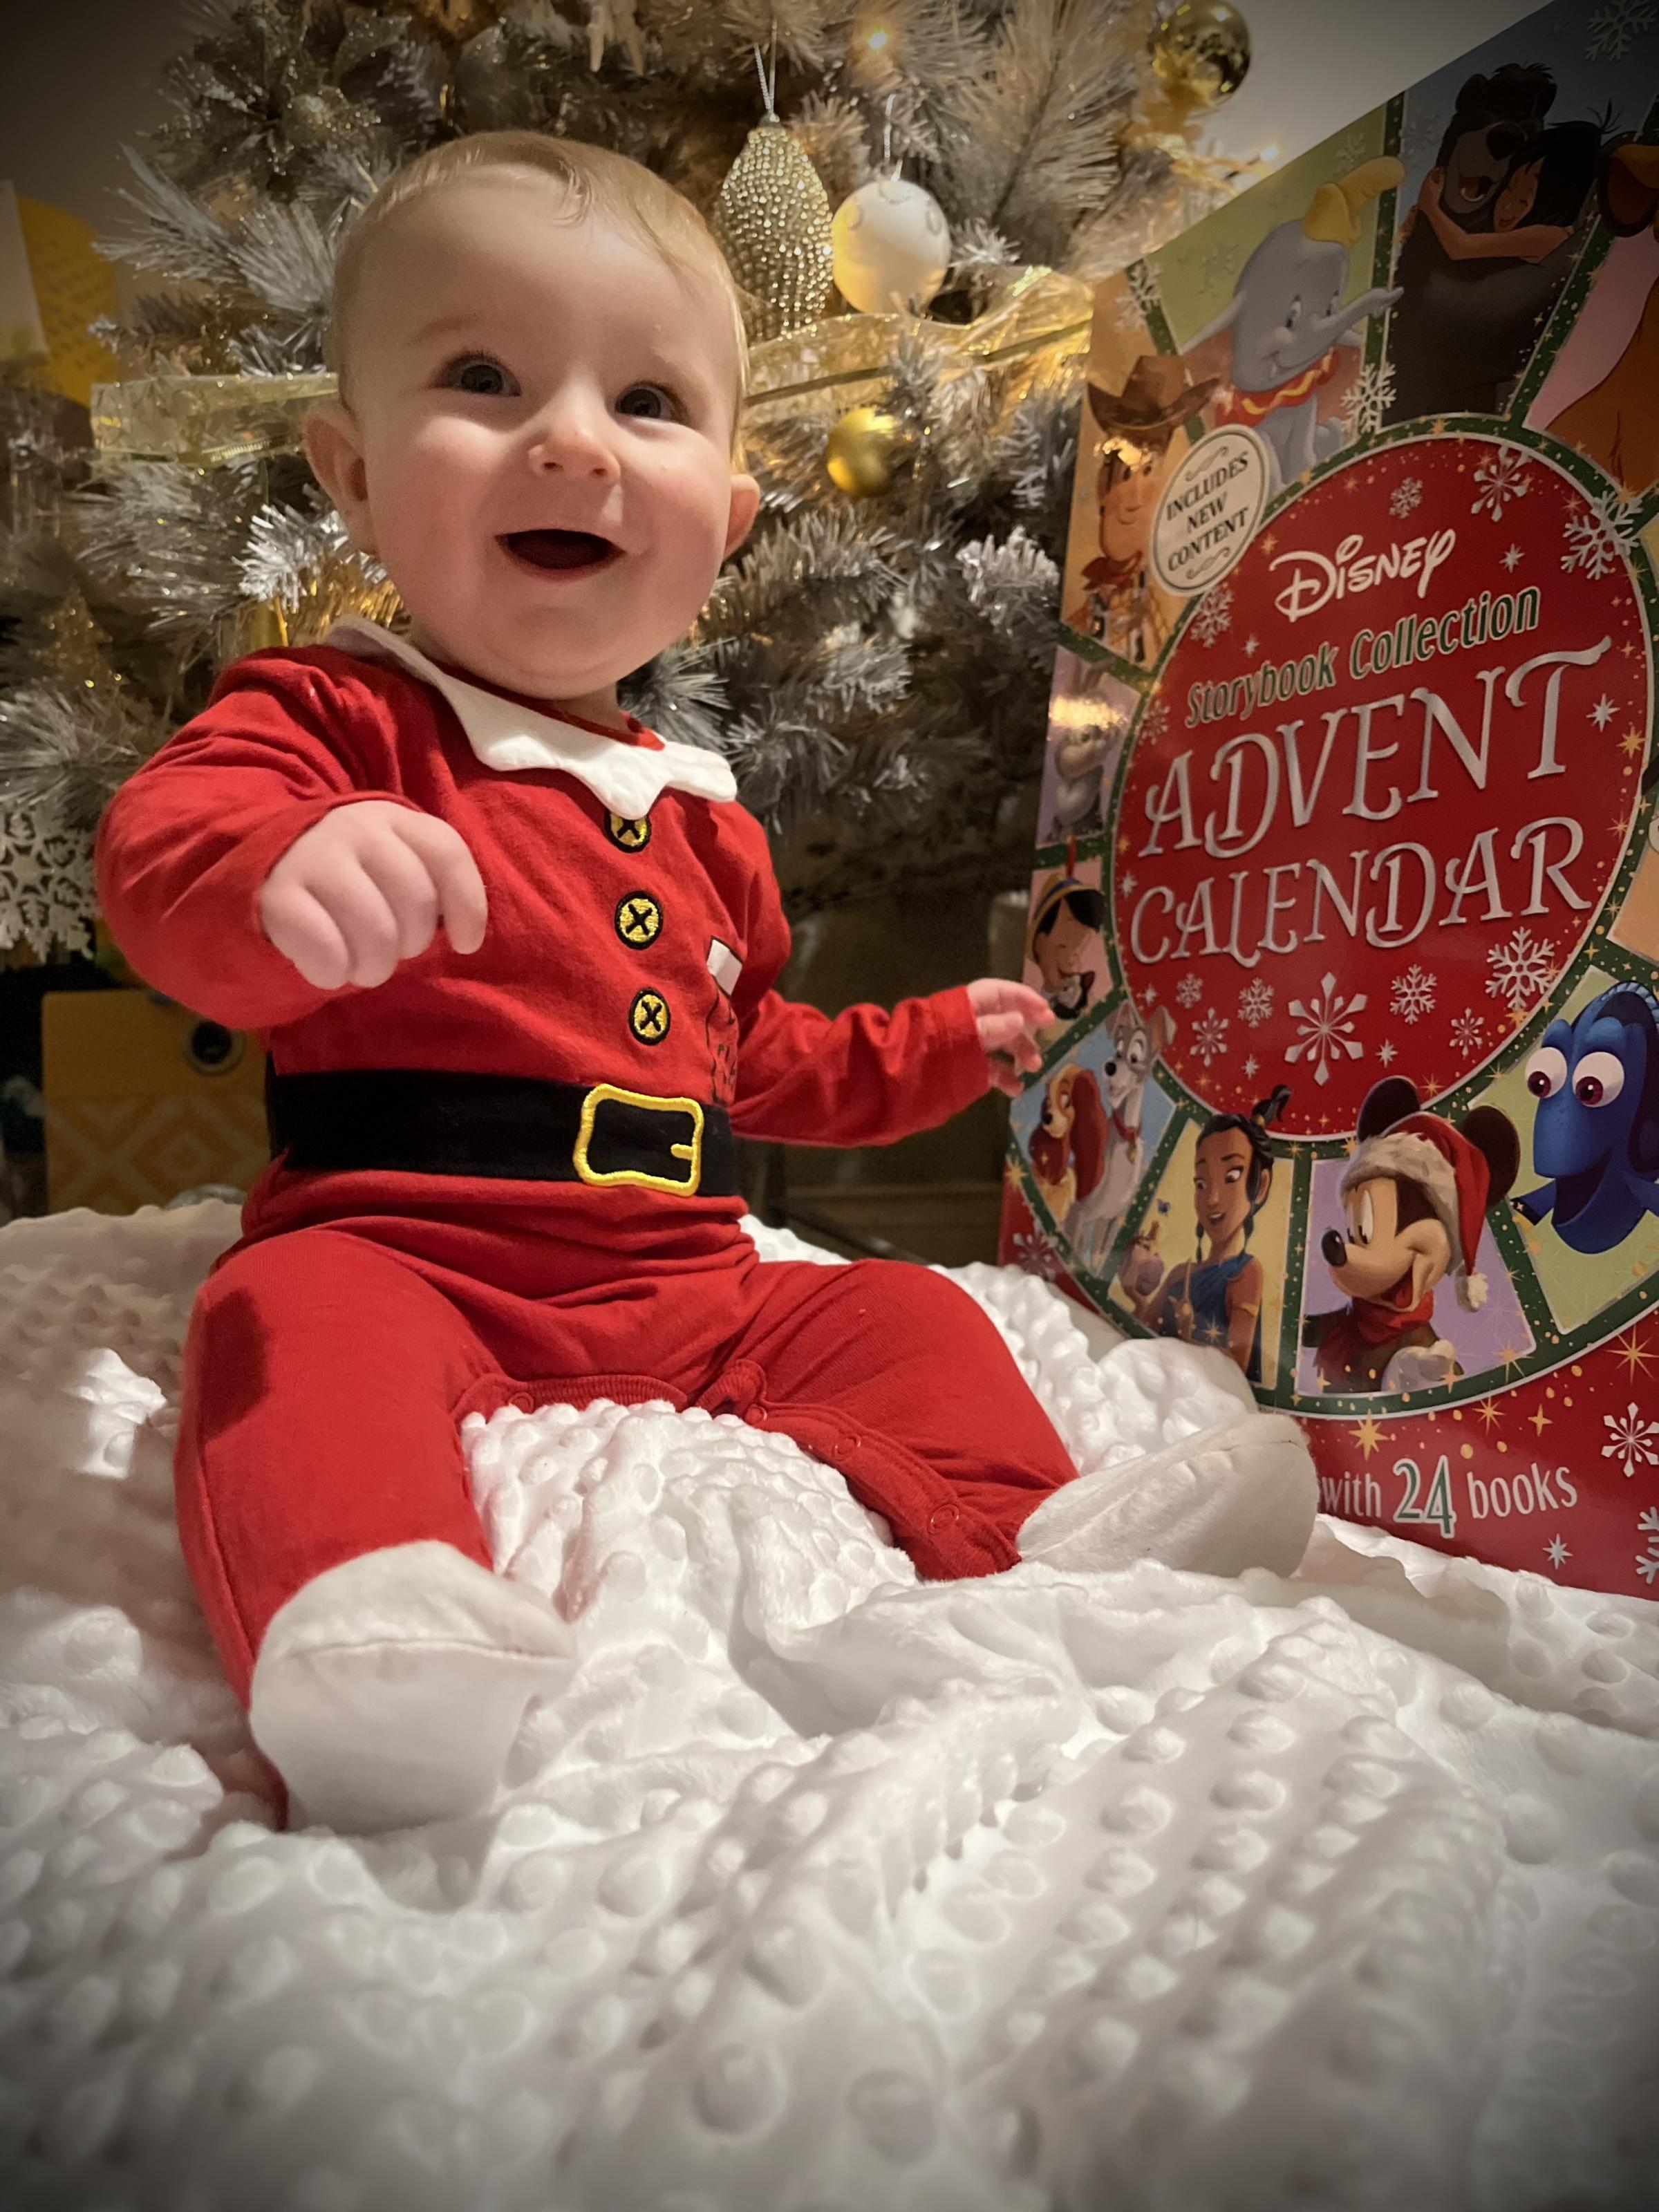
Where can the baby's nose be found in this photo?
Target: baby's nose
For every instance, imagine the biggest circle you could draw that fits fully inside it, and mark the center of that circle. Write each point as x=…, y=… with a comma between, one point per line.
x=570, y=440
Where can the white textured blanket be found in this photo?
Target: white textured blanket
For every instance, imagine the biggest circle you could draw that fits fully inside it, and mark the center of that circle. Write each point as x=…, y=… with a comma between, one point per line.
x=823, y=1890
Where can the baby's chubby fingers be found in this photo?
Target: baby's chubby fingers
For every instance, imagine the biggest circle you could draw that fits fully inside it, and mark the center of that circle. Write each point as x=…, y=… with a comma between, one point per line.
x=456, y=883
x=1007, y=1016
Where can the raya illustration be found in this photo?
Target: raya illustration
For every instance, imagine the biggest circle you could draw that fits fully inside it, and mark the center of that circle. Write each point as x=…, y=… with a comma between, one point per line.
x=1119, y=608
x=1064, y=944
x=1415, y=1194
x=1287, y=327
x=1617, y=422
x=1489, y=244
x=1216, y=1298
x=1597, y=1136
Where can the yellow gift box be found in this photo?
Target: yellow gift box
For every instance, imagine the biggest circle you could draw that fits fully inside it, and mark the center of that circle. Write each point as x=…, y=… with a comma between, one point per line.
x=144, y=1099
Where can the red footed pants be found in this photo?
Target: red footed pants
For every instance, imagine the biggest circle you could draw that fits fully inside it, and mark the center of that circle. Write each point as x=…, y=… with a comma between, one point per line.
x=327, y=1373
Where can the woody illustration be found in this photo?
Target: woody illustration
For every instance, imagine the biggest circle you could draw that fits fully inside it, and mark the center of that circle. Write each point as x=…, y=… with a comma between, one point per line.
x=1138, y=425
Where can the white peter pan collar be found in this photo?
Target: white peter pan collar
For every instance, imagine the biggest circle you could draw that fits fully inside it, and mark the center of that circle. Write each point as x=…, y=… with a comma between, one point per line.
x=628, y=778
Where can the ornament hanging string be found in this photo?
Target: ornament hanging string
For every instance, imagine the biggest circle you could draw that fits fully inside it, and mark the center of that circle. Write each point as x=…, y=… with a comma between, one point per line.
x=769, y=85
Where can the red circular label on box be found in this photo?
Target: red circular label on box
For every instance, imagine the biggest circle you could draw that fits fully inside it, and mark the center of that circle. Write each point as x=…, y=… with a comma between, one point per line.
x=1369, y=806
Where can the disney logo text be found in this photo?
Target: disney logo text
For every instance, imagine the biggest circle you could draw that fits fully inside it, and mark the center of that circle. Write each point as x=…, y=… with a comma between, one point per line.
x=1317, y=579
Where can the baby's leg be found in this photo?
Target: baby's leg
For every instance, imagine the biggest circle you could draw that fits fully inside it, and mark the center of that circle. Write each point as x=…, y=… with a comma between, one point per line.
x=327, y=1523
x=897, y=1377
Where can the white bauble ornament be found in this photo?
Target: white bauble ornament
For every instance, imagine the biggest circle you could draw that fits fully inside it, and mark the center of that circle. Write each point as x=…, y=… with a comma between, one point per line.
x=892, y=247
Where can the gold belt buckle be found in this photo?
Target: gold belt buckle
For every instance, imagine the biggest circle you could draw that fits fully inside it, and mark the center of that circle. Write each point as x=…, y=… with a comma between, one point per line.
x=596, y=1097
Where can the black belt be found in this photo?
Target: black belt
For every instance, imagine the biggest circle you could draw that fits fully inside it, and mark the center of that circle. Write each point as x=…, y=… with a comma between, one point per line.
x=422, y=1121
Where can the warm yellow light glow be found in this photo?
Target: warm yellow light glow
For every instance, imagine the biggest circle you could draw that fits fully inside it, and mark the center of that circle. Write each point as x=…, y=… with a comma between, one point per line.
x=877, y=40
x=1085, y=714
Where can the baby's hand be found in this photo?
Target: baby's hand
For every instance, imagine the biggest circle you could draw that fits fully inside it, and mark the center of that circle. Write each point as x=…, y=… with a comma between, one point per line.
x=1008, y=1016
x=366, y=887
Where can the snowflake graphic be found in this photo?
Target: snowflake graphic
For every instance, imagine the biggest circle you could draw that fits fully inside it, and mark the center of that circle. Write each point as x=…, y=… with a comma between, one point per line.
x=1594, y=544
x=1414, y=994
x=1407, y=497
x=1602, y=712
x=1501, y=477
x=1557, y=1552
x=1255, y=1001
x=1385, y=1053
x=1215, y=614
x=1252, y=646
x=1251, y=1065
x=1209, y=1036
x=1126, y=310
x=1143, y=284
x=1513, y=559
x=1326, y=1028
x=1647, y=1563
x=1036, y=1254
x=1155, y=721
x=1190, y=991
x=1635, y=1441
x=1127, y=883
x=1615, y=29
x=1468, y=1032
x=1521, y=969
x=1370, y=399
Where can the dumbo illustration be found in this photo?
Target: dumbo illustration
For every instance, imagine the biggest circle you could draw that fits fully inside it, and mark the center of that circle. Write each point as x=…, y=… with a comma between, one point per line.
x=1287, y=322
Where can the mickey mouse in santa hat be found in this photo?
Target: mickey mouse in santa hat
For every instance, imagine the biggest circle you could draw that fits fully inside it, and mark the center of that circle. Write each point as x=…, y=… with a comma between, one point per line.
x=1415, y=1196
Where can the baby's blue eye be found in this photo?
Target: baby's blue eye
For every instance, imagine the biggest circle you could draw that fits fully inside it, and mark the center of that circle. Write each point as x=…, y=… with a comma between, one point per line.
x=648, y=401
x=481, y=375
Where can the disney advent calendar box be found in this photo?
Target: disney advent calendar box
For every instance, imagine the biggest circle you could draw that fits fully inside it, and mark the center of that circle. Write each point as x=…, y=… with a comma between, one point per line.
x=1347, y=903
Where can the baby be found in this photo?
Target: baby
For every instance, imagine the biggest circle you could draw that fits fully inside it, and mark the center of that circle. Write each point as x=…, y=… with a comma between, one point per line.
x=512, y=955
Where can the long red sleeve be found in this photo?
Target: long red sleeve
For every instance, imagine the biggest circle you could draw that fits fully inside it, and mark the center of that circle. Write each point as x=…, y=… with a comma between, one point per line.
x=187, y=842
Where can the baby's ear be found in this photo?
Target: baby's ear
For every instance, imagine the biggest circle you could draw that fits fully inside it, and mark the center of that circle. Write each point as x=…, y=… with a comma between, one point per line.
x=745, y=506
x=334, y=449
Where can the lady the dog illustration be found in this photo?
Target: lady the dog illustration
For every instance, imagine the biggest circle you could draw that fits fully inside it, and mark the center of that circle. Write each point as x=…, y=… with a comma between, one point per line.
x=1596, y=1135
x=1415, y=1195
x=1489, y=246
x=1087, y=1153
x=1617, y=422
x=1119, y=608
x=1216, y=1298
x=1068, y=1146
x=1288, y=330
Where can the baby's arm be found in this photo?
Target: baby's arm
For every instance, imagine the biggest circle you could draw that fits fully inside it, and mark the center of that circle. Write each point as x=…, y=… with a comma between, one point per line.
x=865, y=1076
x=190, y=845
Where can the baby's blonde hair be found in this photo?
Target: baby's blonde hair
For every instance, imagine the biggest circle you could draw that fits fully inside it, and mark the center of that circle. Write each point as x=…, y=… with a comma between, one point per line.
x=596, y=181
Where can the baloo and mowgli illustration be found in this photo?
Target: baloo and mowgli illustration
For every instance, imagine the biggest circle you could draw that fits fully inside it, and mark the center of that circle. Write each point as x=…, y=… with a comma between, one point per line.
x=1490, y=244
x=1288, y=328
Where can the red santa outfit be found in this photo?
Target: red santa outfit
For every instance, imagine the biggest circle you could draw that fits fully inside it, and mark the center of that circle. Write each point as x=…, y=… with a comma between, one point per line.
x=506, y=1177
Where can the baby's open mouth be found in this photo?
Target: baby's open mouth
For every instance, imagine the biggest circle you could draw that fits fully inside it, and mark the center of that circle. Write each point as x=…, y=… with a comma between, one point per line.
x=559, y=550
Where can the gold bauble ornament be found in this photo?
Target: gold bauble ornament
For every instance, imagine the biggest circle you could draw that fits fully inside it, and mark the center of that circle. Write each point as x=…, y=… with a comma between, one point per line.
x=865, y=450
x=773, y=222
x=1201, y=53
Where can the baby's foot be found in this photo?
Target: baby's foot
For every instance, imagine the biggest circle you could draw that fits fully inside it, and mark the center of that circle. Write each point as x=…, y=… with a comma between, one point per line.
x=388, y=1690
x=1242, y=1494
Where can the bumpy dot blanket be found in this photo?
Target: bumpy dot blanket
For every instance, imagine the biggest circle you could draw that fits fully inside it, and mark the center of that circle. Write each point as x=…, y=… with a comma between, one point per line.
x=822, y=1889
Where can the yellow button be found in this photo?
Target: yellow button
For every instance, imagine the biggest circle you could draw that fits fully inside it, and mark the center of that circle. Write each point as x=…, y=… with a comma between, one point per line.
x=628, y=834
x=639, y=918
x=649, y=1017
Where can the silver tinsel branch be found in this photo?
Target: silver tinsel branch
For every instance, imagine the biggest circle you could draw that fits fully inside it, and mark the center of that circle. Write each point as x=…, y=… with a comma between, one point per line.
x=876, y=671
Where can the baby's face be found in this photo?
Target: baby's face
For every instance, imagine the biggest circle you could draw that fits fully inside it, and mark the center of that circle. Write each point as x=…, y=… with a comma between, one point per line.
x=539, y=437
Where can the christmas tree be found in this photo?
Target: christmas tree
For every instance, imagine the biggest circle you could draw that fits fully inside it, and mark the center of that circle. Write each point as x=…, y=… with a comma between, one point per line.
x=875, y=663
